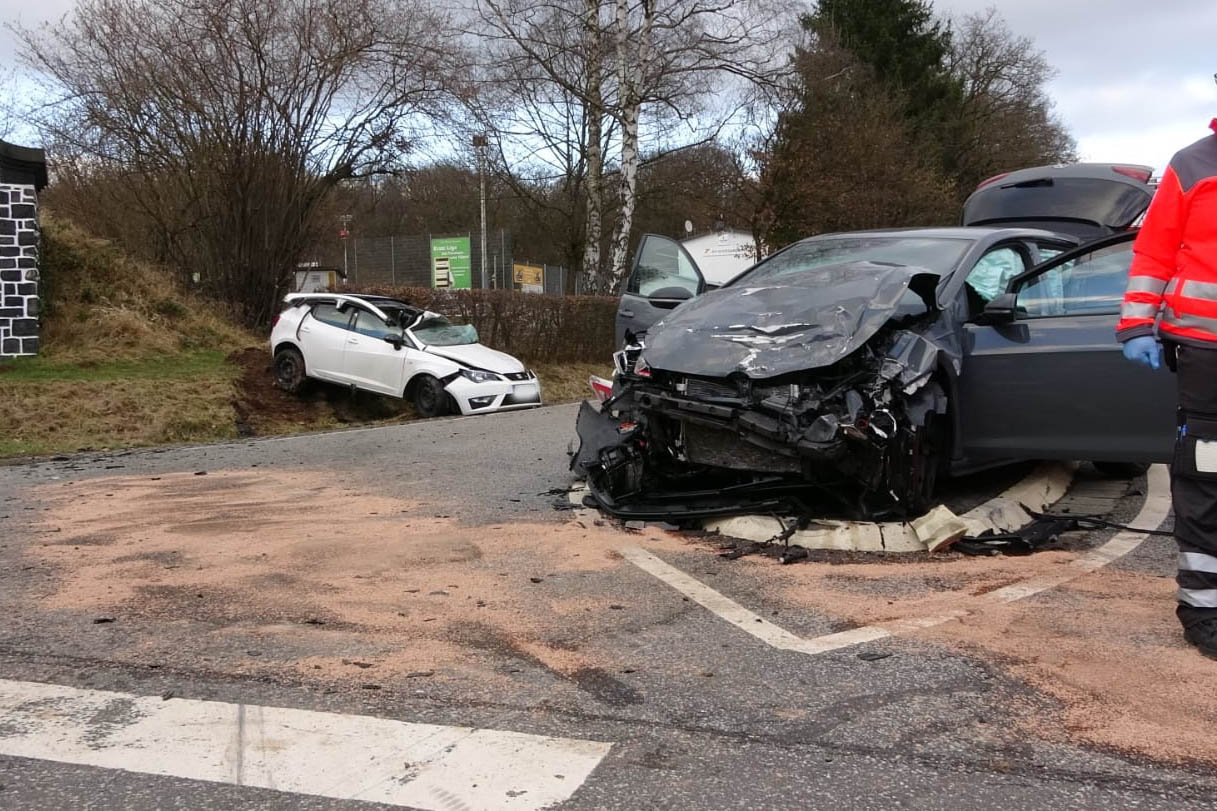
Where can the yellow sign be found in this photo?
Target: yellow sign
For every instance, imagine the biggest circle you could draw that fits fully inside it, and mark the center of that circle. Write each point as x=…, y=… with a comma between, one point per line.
x=529, y=277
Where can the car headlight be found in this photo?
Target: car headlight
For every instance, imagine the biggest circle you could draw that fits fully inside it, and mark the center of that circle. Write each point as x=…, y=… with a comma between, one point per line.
x=478, y=376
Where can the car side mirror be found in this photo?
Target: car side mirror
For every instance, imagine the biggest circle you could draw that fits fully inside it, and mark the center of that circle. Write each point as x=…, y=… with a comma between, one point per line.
x=669, y=297
x=396, y=340
x=1001, y=310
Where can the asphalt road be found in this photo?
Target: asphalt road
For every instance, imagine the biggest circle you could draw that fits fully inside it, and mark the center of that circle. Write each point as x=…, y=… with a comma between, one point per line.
x=698, y=714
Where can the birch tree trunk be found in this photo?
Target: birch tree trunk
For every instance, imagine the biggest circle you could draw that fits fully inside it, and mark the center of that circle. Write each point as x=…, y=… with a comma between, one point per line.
x=594, y=179
x=632, y=73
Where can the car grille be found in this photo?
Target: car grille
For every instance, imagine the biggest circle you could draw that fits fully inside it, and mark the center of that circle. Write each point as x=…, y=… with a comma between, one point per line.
x=525, y=375
x=708, y=446
x=709, y=389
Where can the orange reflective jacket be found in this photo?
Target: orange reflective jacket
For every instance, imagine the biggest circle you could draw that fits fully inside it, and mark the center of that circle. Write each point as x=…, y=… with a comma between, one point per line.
x=1173, y=278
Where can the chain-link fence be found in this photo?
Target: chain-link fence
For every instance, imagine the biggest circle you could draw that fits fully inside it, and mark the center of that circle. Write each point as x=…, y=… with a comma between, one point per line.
x=405, y=261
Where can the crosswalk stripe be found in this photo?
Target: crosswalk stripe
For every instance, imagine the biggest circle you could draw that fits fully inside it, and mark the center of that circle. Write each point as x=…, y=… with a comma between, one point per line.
x=347, y=757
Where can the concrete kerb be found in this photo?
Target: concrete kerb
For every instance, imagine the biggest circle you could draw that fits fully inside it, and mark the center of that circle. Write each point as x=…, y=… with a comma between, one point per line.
x=1005, y=512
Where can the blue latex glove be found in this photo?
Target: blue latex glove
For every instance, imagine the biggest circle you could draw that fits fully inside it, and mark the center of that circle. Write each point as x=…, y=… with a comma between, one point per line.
x=1145, y=350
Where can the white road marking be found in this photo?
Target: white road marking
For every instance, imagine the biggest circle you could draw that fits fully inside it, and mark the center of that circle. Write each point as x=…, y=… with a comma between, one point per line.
x=724, y=607
x=347, y=757
x=1153, y=512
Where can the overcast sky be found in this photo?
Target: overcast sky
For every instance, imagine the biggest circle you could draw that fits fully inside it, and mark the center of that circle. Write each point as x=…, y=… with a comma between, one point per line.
x=1135, y=78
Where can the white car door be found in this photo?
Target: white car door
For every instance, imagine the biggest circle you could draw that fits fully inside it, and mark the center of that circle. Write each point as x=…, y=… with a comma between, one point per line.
x=323, y=334
x=370, y=361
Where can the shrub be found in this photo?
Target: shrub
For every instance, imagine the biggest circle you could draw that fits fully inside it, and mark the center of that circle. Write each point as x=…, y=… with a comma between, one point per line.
x=533, y=326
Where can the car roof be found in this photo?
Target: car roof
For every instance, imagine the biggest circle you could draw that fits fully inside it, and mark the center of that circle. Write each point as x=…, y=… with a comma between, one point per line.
x=373, y=303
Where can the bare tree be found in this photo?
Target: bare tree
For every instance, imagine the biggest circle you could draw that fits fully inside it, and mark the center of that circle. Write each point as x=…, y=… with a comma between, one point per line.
x=685, y=62
x=541, y=99
x=545, y=77
x=230, y=120
x=668, y=71
x=1006, y=118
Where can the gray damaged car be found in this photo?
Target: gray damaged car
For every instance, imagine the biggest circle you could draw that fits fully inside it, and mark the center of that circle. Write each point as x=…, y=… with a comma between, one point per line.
x=847, y=372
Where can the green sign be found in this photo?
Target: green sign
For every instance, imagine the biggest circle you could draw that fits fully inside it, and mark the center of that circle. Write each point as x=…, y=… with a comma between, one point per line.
x=450, y=263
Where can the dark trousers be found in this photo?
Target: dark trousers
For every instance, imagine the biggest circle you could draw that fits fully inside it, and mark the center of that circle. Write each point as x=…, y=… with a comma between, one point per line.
x=1194, y=482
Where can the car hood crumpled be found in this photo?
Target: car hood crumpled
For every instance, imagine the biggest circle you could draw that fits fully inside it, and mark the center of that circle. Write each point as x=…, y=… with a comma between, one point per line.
x=802, y=321
x=478, y=357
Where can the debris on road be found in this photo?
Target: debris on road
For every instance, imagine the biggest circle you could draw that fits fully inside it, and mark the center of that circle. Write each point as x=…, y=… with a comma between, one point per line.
x=939, y=528
x=873, y=656
x=1035, y=536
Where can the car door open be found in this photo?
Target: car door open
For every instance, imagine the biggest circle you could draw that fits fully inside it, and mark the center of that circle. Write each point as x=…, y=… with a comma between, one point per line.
x=1044, y=377
x=664, y=276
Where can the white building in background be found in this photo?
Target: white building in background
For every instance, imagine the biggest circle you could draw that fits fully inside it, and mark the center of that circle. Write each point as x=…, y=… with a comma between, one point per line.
x=722, y=255
x=311, y=277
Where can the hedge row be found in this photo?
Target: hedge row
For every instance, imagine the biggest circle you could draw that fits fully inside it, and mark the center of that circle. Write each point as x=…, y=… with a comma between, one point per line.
x=532, y=326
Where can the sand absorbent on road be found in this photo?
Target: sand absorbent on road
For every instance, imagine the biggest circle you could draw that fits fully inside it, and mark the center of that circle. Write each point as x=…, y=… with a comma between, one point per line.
x=344, y=587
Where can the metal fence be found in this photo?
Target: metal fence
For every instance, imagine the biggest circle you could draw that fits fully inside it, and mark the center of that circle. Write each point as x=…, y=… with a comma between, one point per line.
x=404, y=260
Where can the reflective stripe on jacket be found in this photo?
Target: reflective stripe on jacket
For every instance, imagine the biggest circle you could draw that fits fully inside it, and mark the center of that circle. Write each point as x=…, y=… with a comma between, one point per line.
x=1174, y=267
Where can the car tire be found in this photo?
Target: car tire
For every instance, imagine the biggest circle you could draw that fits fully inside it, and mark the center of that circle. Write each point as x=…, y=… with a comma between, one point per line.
x=430, y=398
x=1121, y=470
x=930, y=463
x=289, y=370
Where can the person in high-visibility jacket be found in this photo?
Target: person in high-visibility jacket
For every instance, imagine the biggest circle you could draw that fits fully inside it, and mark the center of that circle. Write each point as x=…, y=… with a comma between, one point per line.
x=1171, y=300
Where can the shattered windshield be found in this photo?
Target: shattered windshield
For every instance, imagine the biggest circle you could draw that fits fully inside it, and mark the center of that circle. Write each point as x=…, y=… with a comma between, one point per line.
x=937, y=254
x=439, y=331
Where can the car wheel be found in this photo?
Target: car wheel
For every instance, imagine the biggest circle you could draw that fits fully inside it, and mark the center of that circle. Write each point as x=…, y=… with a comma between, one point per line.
x=289, y=369
x=927, y=463
x=1121, y=470
x=430, y=399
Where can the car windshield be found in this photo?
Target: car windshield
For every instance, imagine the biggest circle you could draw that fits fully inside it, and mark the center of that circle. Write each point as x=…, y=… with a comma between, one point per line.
x=936, y=254
x=439, y=331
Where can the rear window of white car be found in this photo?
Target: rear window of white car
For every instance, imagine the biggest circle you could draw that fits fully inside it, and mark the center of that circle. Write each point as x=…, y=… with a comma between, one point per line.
x=442, y=332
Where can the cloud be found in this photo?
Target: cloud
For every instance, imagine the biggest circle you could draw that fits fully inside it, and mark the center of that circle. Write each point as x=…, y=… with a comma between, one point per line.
x=1135, y=82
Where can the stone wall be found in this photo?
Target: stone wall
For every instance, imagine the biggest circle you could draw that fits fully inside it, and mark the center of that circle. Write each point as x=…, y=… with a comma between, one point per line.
x=18, y=270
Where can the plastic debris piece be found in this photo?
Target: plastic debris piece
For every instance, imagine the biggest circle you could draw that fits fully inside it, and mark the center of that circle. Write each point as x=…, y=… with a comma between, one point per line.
x=939, y=528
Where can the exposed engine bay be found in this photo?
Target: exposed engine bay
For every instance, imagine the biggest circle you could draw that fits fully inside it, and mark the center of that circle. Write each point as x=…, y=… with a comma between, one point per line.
x=860, y=430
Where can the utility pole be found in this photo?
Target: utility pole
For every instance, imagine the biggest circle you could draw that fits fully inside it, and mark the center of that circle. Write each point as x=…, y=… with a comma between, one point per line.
x=344, y=233
x=479, y=143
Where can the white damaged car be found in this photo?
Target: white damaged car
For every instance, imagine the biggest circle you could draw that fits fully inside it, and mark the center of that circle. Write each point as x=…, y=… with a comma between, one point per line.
x=387, y=346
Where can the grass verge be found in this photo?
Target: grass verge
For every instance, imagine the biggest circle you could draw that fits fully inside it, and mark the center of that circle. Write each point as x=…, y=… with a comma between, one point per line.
x=52, y=407
x=44, y=416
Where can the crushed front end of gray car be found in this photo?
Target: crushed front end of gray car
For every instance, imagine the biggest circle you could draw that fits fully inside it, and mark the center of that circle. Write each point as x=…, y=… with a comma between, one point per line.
x=853, y=422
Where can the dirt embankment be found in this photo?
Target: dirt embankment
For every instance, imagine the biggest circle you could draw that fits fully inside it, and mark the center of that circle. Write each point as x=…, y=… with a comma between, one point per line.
x=261, y=407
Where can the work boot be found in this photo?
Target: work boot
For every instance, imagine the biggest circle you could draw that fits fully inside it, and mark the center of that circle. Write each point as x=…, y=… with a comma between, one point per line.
x=1199, y=628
